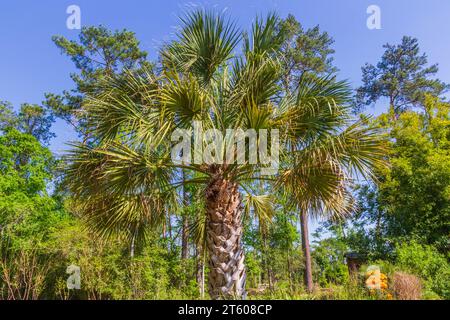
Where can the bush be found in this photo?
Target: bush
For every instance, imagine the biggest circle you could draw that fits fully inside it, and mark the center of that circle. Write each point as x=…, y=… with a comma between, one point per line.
x=427, y=263
x=406, y=286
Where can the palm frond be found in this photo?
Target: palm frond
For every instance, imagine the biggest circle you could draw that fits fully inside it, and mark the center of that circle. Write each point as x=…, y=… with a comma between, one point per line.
x=184, y=100
x=205, y=42
x=318, y=107
x=118, y=188
x=264, y=37
x=261, y=206
x=123, y=104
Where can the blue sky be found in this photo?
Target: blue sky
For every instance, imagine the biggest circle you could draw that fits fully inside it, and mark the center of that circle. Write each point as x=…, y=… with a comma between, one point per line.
x=31, y=65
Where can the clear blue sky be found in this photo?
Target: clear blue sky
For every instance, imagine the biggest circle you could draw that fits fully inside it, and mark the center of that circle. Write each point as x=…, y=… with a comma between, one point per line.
x=31, y=65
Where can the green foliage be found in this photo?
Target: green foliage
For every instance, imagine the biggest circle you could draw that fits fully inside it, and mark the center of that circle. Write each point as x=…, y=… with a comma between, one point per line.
x=273, y=258
x=402, y=76
x=108, y=272
x=410, y=199
x=98, y=53
x=414, y=193
x=347, y=291
x=302, y=51
x=36, y=121
x=7, y=117
x=27, y=212
x=28, y=215
x=25, y=165
x=329, y=259
x=427, y=263
x=31, y=119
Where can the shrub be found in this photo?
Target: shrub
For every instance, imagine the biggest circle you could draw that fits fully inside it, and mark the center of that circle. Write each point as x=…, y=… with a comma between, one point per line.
x=427, y=263
x=406, y=286
x=22, y=275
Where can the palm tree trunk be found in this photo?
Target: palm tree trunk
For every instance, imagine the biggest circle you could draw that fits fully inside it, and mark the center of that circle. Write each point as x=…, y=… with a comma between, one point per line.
x=306, y=251
x=227, y=274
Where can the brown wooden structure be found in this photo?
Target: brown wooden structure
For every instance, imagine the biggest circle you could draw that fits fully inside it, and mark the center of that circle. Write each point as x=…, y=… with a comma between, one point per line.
x=354, y=261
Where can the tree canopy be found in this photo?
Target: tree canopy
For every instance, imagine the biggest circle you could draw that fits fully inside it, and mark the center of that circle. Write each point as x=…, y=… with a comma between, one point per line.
x=402, y=76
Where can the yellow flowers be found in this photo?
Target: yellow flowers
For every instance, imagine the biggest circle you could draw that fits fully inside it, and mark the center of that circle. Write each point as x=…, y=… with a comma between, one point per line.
x=384, y=282
x=377, y=282
x=373, y=281
x=370, y=273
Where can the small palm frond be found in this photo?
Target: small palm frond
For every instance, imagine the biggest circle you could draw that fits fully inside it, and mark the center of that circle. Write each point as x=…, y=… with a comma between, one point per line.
x=261, y=206
x=320, y=188
x=184, y=100
x=264, y=37
x=315, y=92
x=197, y=228
x=358, y=150
x=363, y=149
x=254, y=81
x=123, y=216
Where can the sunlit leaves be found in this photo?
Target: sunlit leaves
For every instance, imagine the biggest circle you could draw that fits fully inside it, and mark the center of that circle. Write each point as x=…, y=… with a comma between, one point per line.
x=206, y=40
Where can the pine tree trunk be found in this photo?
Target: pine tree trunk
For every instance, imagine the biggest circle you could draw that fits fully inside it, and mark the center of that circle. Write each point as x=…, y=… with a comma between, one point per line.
x=201, y=271
x=306, y=251
x=169, y=230
x=133, y=246
x=185, y=227
x=185, y=239
x=266, y=264
x=227, y=274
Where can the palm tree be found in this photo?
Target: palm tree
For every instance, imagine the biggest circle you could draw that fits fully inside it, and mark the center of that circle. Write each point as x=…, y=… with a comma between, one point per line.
x=125, y=178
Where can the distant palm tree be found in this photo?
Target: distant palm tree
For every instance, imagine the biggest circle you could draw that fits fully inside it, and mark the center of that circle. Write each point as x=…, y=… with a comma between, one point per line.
x=125, y=179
